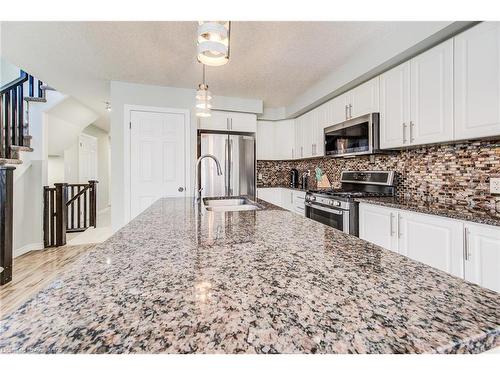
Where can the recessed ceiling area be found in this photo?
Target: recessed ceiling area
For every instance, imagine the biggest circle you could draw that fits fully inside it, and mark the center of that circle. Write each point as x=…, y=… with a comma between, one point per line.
x=272, y=61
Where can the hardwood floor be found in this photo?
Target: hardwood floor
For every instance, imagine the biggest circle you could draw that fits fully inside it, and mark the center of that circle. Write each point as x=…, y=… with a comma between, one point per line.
x=33, y=271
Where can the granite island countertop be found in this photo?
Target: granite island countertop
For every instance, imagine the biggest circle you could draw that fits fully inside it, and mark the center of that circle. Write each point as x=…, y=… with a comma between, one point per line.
x=178, y=279
x=458, y=212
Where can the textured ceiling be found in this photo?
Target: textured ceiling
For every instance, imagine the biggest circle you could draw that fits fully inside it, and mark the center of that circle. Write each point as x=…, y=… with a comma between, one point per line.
x=272, y=61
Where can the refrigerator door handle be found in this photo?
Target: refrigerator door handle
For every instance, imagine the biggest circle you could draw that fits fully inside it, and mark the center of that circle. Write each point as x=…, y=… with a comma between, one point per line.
x=226, y=167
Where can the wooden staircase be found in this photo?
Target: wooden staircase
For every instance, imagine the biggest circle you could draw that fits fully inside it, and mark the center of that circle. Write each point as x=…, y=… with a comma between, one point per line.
x=14, y=139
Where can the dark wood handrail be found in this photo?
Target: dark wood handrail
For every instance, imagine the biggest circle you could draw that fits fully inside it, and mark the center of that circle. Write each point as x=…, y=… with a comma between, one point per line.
x=17, y=82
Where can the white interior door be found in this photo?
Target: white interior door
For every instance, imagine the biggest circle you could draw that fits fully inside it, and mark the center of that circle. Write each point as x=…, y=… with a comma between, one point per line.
x=87, y=158
x=157, y=158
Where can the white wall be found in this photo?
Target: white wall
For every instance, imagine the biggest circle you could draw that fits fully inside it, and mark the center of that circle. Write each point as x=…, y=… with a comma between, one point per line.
x=103, y=164
x=123, y=93
x=55, y=170
x=71, y=171
x=8, y=72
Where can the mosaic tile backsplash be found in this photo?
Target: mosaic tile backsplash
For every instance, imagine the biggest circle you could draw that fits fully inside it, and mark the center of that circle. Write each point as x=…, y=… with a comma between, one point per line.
x=452, y=174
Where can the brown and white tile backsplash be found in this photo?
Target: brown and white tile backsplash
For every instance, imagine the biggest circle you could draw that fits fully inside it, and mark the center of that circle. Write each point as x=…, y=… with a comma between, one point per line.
x=451, y=174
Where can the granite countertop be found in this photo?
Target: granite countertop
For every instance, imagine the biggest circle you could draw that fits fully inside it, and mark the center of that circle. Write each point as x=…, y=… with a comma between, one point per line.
x=435, y=208
x=179, y=279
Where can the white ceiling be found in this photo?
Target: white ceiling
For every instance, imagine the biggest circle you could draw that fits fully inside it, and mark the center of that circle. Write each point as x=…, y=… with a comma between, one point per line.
x=272, y=61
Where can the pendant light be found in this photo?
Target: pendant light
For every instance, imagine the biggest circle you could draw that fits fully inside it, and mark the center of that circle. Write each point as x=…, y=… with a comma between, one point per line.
x=213, y=42
x=203, y=97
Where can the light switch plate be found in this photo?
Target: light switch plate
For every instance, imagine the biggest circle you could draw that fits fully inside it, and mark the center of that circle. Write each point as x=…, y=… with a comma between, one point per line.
x=259, y=176
x=495, y=185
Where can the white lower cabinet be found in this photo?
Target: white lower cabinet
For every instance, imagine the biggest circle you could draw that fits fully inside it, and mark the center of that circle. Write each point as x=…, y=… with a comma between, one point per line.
x=289, y=199
x=377, y=225
x=463, y=249
x=482, y=255
x=432, y=240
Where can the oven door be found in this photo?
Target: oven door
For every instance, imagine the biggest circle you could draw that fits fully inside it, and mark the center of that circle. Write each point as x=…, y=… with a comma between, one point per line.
x=338, y=219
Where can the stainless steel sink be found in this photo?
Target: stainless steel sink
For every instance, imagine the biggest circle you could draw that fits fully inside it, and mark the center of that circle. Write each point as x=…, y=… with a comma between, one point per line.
x=230, y=204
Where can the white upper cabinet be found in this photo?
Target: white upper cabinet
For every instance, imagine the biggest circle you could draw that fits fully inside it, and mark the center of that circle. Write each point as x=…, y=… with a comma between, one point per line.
x=242, y=122
x=265, y=140
x=432, y=240
x=364, y=99
x=477, y=82
x=395, y=106
x=340, y=108
x=229, y=121
x=482, y=260
x=431, y=111
x=217, y=121
x=416, y=100
x=275, y=140
x=284, y=139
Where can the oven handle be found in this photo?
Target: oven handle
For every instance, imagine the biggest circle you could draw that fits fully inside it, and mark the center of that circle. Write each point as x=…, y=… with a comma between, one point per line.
x=321, y=208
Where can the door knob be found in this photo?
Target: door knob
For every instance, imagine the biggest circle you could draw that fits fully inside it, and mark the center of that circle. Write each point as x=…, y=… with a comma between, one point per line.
x=180, y=190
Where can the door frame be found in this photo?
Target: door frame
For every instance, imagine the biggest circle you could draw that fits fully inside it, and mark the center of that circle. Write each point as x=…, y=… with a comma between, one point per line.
x=128, y=109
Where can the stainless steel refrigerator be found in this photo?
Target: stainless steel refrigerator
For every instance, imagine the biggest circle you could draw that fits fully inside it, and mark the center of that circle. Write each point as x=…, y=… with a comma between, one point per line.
x=236, y=154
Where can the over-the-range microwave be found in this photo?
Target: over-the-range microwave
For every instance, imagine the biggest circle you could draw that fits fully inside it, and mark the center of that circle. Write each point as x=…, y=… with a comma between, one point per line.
x=356, y=136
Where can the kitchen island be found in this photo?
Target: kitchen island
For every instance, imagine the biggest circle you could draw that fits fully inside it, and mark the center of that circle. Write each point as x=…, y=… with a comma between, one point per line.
x=180, y=279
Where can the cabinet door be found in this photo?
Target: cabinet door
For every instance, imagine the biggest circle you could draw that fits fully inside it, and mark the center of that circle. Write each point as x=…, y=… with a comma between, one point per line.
x=271, y=195
x=298, y=150
x=378, y=225
x=265, y=140
x=395, y=107
x=339, y=109
x=482, y=264
x=299, y=202
x=243, y=122
x=364, y=99
x=435, y=241
x=287, y=199
x=307, y=134
x=431, y=112
x=284, y=139
x=477, y=82
x=322, y=122
x=217, y=121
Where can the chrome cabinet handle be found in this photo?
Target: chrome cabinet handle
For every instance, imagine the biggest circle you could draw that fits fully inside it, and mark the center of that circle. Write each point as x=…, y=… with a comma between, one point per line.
x=391, y=231
x=227, y=124
x=466, y=244
x=346, y=112
x=350, y=110
x=411, y=131
x=231, y=122
x=180, y=189
x=301, y=151
x=398, y=227
x=404, y=132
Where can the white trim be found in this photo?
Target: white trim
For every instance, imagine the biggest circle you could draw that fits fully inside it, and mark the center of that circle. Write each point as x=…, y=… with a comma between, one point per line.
x=27, y=248
x=128, y=108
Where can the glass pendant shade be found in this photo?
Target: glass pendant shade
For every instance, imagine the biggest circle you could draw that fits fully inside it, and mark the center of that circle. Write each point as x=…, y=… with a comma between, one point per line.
x=203, y=98
x=213, y=42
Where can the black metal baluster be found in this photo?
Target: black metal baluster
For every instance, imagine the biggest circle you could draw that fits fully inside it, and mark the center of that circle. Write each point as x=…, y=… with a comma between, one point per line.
x=6, y=126
x=14, y=118
x=31, y=86
x=20, y=115
x=2, y=153
x=85, y=208
x=78, y=207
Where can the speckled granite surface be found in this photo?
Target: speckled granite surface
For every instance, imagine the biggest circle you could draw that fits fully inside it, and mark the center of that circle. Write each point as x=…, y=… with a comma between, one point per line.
x=177, y=280
x=439, y=209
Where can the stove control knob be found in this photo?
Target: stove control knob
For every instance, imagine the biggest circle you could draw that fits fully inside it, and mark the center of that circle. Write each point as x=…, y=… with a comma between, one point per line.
x=336, y=203
x=312, y=198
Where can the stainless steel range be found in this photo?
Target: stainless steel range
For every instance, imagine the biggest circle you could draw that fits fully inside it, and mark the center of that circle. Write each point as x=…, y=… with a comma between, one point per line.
x=338, y=209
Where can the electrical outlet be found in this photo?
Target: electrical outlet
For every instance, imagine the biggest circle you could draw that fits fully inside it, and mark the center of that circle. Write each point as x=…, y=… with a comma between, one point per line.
x=259, y=176
x=495, y=185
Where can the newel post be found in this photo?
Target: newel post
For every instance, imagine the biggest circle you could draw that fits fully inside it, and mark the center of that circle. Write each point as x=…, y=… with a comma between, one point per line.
x=61, y=213
x=93, y=203
x=6, y=229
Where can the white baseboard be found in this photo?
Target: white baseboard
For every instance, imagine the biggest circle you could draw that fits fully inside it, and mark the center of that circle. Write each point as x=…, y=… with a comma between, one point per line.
x=27, y=248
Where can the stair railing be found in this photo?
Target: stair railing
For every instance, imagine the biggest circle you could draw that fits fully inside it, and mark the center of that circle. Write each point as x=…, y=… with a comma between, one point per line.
x=14, y=129
x=68, y=208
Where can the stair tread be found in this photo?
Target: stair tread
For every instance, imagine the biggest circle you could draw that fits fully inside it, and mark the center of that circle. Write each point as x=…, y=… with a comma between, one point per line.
x=4, y=161
x=21, y=148
x=35, y=99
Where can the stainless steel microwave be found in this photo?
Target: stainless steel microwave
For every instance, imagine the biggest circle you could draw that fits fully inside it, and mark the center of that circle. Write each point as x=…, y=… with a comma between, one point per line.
x=356, y=136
